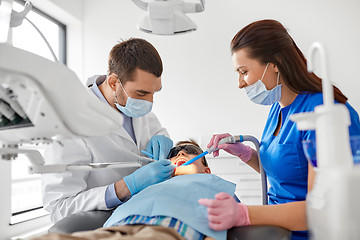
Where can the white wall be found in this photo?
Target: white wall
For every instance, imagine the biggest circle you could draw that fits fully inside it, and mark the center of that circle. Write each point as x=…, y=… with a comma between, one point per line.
x=200, y=94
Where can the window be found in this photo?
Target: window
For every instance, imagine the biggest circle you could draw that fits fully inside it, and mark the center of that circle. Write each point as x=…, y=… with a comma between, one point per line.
x=26, y=197
x=26, y=37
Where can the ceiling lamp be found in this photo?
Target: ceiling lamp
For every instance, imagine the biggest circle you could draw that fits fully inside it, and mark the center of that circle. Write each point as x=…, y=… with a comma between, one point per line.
x=168, y=17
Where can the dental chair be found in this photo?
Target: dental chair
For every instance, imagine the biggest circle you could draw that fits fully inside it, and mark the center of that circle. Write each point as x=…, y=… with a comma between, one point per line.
x=90, y=220
x=86, y=221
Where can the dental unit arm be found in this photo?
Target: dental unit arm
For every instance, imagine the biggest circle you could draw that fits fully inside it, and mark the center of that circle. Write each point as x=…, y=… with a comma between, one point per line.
x=43, y=101
x=333, y=211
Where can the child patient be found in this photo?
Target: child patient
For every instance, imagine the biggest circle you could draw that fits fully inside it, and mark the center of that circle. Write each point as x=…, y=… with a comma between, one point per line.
x=167, y=210
x=184, y=151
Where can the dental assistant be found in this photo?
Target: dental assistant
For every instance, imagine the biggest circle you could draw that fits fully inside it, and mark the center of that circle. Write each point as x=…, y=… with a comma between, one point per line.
x=272, y=70
x=134, y=76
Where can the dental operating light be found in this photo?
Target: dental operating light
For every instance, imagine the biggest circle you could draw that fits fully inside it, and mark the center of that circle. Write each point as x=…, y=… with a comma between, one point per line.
x=168, y=17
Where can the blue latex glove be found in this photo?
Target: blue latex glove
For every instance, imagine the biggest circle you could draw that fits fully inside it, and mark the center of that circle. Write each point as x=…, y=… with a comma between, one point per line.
x=149, y=174
x=159, y=146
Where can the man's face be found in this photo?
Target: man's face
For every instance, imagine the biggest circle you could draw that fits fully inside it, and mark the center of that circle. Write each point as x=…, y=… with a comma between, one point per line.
x=182, y=157
x=143, y=86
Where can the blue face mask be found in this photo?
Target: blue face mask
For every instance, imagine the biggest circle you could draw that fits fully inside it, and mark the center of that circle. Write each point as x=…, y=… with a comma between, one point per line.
x=258, y=93
x=134, y=107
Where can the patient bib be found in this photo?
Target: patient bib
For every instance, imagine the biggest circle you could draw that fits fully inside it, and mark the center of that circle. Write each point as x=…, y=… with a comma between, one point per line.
x=177, y=197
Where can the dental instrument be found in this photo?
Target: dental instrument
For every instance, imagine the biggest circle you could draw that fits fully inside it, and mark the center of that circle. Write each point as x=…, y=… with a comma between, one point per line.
x=147, y=154
x=195, y=158
x=226, y=140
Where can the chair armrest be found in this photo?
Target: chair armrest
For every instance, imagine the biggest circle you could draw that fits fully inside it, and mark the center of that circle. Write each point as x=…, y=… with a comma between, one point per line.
x=258, y=233
x=82, y=221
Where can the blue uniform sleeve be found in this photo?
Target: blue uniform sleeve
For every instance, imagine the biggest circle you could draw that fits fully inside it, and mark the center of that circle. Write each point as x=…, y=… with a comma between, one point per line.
x=111, y=199
x=354, y=128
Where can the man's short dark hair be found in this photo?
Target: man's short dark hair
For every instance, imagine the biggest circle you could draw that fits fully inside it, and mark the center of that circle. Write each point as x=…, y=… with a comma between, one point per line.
x=134, y=53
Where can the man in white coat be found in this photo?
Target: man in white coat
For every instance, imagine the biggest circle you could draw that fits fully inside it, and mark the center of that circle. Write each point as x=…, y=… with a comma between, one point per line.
x=134, y=75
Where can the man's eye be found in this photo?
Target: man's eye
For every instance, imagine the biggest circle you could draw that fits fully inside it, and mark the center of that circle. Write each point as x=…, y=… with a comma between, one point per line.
x=141, y=94
x=243, y=73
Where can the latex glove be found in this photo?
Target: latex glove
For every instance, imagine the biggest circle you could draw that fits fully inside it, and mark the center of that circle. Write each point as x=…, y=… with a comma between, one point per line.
x=149, y=174
x=159, y=146
x=237, y=149
x=224, y=212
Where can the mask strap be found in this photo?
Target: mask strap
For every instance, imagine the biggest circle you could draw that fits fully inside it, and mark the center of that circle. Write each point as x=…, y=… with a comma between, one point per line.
x=278, y=76
x=122, y=87
x=264, y=71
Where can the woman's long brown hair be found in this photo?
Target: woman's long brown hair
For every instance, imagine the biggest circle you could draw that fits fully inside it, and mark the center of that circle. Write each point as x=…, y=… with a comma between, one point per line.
x=268, y=41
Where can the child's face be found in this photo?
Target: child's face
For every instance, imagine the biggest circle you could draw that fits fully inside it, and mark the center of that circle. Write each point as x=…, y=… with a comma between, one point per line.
x=195, y=167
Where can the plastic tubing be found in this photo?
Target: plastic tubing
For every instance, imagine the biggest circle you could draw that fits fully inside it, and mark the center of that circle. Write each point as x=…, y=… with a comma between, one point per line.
x=236, y=139
x=261, y=169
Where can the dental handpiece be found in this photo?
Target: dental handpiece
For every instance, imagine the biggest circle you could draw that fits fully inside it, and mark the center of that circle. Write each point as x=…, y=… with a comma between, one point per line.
x=226, y=140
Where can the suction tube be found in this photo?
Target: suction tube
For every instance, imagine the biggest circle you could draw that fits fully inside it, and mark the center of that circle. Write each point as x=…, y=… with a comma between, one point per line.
x=243, y=138
x=262, y=171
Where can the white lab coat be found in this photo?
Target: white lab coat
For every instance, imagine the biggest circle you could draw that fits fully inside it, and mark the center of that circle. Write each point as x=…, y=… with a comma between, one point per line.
x=72, y=192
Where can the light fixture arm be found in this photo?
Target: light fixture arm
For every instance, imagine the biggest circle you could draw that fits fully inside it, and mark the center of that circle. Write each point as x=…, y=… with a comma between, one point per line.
x=194, y=7
x=168, y=17
x=200, y=6
x=17, y=18
x=141, y=4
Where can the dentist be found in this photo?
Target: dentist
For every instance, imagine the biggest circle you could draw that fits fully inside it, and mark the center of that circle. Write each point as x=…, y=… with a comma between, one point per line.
x=272, y=70
x=134, y=76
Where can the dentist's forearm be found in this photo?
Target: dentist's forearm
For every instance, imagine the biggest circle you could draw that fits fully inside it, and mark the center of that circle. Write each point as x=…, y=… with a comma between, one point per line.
x=122, y=190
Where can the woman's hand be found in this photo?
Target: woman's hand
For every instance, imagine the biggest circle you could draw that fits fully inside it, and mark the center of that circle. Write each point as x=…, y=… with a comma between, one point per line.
x=237, y=149
x=224, y=212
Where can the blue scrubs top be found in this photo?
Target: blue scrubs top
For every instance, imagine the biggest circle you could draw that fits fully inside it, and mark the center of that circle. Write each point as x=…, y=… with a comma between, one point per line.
x=282, y=156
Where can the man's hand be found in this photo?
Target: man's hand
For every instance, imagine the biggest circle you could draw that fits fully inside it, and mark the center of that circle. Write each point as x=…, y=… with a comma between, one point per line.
x=159, y=146
x=149, y=174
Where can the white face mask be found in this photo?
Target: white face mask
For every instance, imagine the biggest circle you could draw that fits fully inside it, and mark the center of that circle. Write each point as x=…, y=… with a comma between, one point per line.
x=134, y=107
x=258, y=93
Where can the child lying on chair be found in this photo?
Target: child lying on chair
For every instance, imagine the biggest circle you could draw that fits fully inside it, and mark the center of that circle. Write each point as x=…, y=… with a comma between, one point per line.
x=167, y=210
